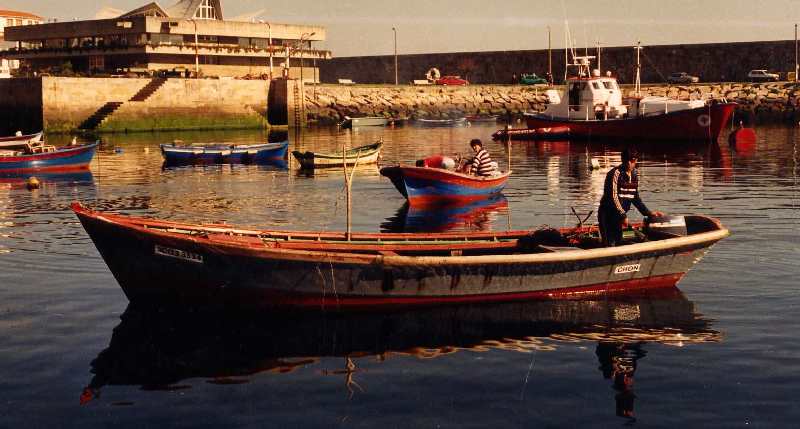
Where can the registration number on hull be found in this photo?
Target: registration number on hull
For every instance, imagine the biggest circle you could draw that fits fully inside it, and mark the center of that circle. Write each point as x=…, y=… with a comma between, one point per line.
x=627, y=269
x=178, y=254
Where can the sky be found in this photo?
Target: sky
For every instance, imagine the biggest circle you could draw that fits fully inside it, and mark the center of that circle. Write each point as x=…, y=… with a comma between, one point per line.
x=364, y=27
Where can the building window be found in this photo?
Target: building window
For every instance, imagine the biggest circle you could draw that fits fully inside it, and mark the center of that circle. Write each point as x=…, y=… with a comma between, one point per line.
x=205, y=11
x=97, y=62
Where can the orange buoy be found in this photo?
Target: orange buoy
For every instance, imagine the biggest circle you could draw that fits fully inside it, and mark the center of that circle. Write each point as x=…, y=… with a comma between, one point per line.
x=33, y=183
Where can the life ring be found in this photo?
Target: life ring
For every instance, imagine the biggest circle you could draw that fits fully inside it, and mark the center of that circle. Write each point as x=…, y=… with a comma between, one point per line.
x=433, y=74
x=704, y=120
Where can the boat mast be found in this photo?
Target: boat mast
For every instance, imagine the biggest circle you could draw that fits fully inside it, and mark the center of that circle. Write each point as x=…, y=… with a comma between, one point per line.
x=638, y=84
x=549, y=58
x=567, y=45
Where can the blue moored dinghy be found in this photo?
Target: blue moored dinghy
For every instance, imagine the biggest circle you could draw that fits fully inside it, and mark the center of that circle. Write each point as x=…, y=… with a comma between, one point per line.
x=266, y=153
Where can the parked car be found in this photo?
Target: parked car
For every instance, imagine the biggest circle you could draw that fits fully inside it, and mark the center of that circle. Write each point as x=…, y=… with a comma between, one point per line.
x=451, y=80
x=531, y=79
x=761, y=75
x=682, y=77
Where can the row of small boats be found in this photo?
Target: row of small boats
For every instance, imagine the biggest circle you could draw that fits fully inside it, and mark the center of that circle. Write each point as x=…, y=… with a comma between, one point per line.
x=381, y=121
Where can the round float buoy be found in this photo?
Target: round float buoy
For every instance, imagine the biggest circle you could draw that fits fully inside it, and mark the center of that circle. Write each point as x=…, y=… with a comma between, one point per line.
x=33, y=183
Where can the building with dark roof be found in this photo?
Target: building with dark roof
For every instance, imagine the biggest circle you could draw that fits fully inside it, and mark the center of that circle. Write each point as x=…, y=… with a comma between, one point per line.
x=190, y=37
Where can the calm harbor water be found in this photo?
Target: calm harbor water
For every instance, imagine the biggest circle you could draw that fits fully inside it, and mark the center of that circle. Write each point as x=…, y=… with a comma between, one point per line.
x=719, y=352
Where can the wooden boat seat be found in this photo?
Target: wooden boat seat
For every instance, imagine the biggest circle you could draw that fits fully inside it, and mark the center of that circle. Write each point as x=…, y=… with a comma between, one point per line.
x=559, y=248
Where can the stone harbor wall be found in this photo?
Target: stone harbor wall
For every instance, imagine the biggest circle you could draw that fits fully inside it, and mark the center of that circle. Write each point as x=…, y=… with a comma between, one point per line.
x=711, y=62
x=331, y=103
x=767, y=102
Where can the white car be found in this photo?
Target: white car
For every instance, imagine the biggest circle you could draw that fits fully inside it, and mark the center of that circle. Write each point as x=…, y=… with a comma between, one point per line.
x=762, y=76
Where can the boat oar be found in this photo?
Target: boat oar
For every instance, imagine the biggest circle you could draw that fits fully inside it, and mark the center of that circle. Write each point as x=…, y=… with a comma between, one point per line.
x=581, y=222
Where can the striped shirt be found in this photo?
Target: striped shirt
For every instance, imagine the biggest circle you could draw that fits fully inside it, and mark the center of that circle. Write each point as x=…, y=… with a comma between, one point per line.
x=621, y=191
x=482, y=164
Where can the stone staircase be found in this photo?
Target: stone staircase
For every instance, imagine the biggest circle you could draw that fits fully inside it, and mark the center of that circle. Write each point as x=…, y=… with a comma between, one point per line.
x=92, y=122
x=98, y=117
x=149, y=89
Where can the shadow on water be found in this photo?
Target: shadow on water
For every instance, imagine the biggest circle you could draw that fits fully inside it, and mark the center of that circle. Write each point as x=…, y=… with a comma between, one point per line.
x=158, y=348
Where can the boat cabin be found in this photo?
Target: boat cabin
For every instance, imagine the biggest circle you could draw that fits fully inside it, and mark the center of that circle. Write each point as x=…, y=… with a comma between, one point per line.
x=588, y=96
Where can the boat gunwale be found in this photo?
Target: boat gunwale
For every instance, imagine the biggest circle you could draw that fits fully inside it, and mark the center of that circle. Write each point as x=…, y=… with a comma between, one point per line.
x=56, y=154
x=481, y=179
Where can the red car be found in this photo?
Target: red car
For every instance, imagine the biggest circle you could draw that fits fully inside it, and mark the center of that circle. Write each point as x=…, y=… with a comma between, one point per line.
x=452, y=80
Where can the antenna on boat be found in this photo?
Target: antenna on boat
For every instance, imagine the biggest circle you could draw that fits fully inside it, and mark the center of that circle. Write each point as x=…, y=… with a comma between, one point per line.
x=598, y=58
x=638, y=84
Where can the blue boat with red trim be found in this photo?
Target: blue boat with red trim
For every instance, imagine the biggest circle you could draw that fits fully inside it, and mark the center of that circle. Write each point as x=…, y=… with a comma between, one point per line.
x=424, y=186
x=266, y=153
x=43, y=157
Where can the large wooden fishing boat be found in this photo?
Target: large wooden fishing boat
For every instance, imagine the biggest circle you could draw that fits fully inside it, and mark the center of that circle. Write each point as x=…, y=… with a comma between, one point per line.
x=41, y=157
x=424, y=186
x=164, y=262
x=367, y=154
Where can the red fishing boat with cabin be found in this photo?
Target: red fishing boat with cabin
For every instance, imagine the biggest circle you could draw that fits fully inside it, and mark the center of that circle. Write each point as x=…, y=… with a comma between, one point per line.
x=593, y=107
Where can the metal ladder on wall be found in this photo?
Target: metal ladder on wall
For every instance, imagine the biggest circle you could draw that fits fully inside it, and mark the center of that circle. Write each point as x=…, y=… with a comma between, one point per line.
x=298, y=106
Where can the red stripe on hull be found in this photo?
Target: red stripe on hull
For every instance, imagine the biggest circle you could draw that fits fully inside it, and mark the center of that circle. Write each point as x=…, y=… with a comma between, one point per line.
x=53, y=169
x=267, y=298
x=705, y=123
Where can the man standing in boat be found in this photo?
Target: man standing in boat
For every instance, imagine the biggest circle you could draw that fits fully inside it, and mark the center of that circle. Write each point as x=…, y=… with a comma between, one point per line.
x=481, y=164
x=620, y=191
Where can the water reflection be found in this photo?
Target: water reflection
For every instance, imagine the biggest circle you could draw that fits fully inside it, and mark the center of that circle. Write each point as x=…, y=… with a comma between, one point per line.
x=158, y=349
x=475, y=216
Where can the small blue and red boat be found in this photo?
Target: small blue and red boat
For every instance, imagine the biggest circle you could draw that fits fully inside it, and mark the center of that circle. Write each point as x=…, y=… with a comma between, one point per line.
x=47, y=158
x=265, y=153
x=426, y=186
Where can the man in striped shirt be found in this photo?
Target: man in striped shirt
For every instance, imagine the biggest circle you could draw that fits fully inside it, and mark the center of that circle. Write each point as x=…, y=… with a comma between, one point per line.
x=620, y=191
x=482, y=164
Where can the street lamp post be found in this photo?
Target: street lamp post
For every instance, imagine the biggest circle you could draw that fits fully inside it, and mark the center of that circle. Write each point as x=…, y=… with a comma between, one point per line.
x=196, y=55
x=396, y=81
x=303, y=37
x=269, y=46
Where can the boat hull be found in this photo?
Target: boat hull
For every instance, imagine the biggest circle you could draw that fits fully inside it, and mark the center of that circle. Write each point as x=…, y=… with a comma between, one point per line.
x=372, y=121
x=431, y=186
x=435, y=123
x=225, y=269
x=69, y=158
x=224, y=154
x=364, y=155
x=704, y=123
x=18, y=141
